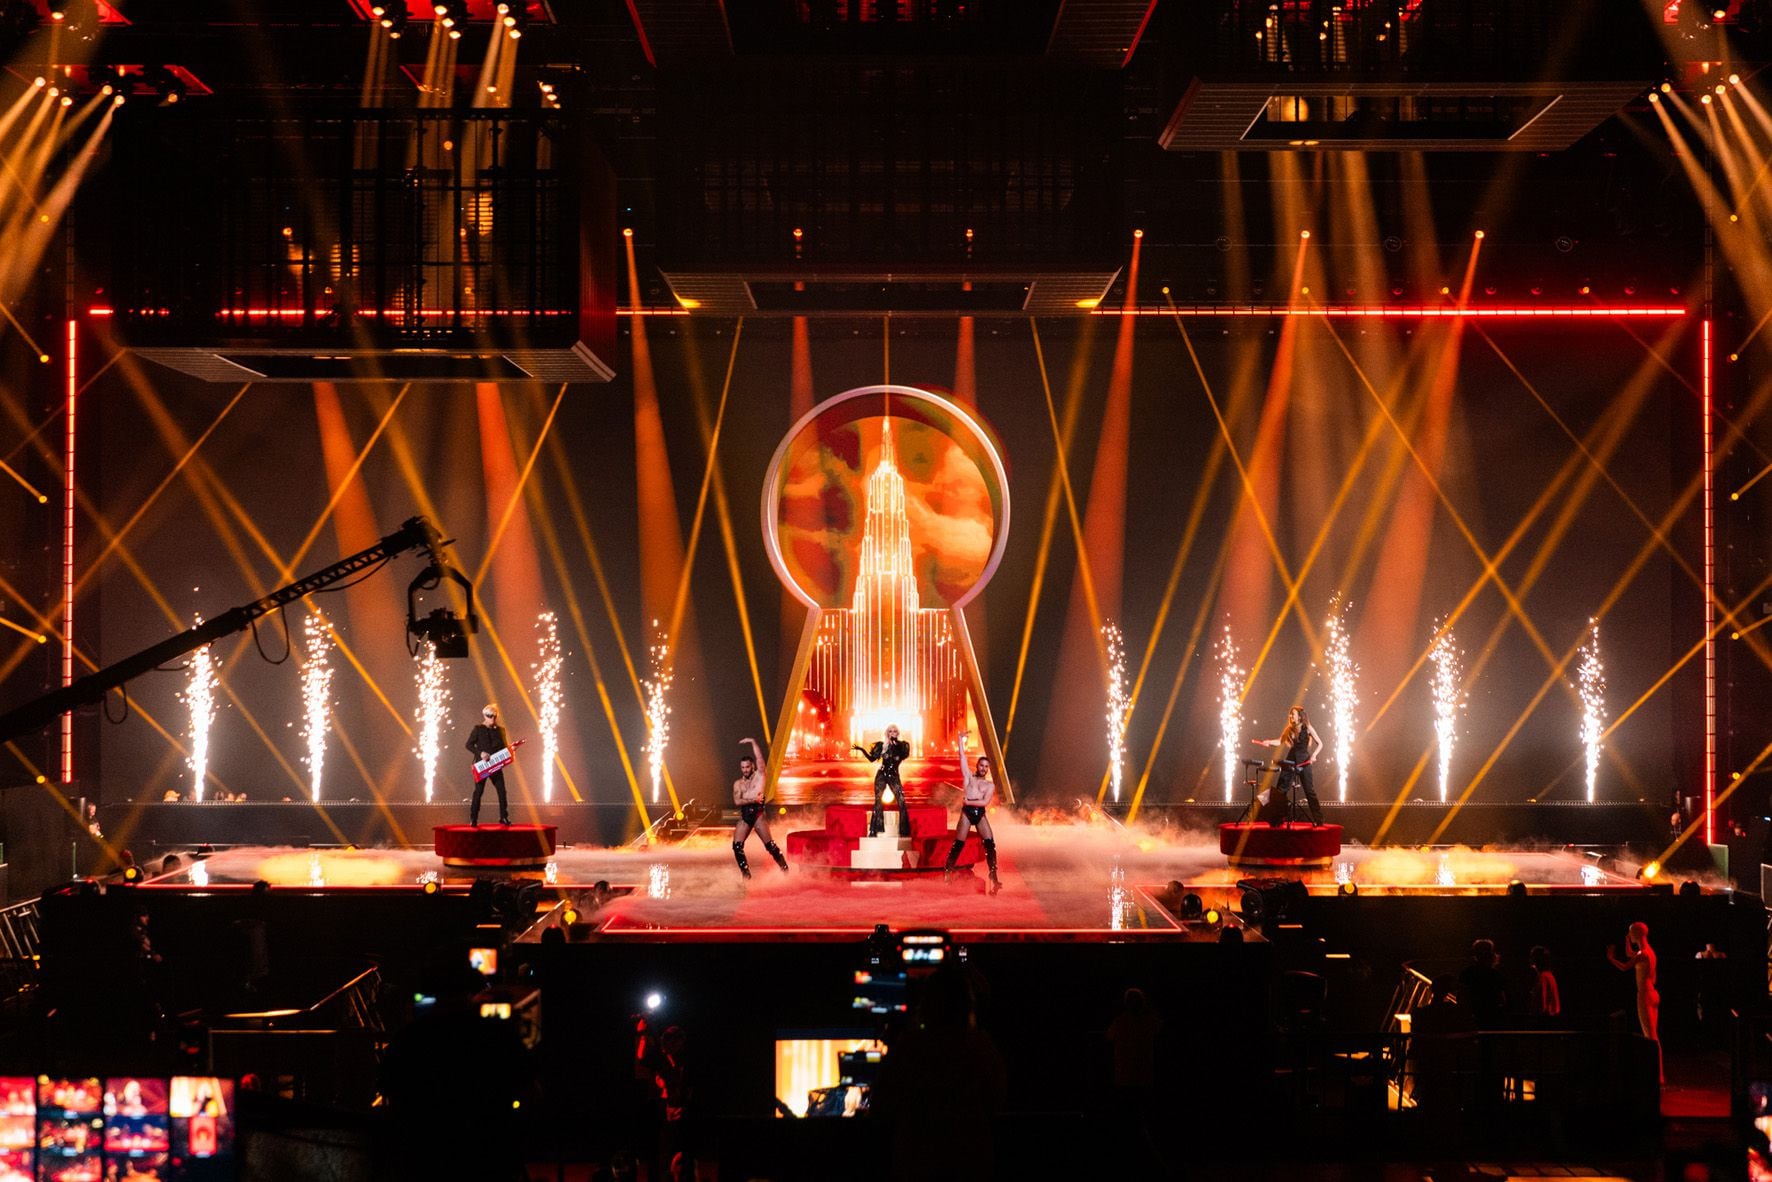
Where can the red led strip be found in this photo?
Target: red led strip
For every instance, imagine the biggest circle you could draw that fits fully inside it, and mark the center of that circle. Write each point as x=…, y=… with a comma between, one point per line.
x=73, y=398
x=1710, y=597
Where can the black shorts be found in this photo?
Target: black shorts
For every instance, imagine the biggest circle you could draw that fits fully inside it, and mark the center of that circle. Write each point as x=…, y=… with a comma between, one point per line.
x=974, y=813
x=748, y=813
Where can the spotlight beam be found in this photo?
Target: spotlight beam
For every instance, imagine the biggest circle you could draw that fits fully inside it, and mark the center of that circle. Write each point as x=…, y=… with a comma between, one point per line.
x=1457, y=518
x=1086, y=578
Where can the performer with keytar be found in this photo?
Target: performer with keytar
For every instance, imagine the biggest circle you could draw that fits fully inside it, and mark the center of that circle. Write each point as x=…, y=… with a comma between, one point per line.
x=493, y=752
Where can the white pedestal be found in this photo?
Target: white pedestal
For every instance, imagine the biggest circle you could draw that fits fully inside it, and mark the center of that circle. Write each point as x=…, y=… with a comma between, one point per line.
x=885, y=851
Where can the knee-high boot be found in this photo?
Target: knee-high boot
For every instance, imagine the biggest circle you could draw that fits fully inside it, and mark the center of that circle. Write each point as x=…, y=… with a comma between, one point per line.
x=744, y=867
x=990, y=858
x=775, y=852
x=947, y=871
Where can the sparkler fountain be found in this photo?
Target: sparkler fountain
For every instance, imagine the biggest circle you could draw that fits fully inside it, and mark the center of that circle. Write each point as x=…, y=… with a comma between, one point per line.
x=1343, y=692
x=658, y=712
x=1230, y=710
x=1117, y=705
x=433, y=712
x=548, y=700
x=316, y=694
x=1591, y=684
x=1448, y=700
x=199, y=698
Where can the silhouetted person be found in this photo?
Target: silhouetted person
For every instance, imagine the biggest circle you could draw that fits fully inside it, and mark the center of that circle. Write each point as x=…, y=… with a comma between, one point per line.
x=1640, y=959
x=941, y=1085
x=1481, y=987
x=1546, y=1000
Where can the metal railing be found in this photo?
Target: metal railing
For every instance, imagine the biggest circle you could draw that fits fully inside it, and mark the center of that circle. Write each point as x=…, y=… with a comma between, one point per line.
x=21, y=946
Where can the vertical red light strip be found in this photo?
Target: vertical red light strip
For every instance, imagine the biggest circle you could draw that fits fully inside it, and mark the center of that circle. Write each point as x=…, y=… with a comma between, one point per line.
x=73, y=395
x=1710, y=601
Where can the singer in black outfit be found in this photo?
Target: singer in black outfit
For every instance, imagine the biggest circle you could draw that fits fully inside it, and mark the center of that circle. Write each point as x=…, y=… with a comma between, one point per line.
x=1300, y=744
x=483, y=740
x=889, y=754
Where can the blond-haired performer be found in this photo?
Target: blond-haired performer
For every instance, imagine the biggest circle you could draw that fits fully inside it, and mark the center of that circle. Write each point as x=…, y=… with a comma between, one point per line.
x=483, y=740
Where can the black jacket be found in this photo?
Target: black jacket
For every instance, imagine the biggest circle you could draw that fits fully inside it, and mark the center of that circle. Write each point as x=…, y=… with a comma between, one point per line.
x=484, y=740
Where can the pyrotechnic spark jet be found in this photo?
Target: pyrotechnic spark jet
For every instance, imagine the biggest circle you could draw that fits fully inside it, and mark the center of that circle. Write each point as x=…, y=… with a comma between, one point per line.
x=1343, y=696
x=316, y=693
x=547, y=695
x=433, y=712
x=199, y=698
x=1230, y=710
x=1591, y=682
x=1448, y=700
x=658, y=712
x=1116, y=704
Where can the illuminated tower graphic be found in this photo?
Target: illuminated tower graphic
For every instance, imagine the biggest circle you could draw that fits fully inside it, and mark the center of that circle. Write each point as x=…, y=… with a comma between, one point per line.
x=884, y=642
x=884, y=611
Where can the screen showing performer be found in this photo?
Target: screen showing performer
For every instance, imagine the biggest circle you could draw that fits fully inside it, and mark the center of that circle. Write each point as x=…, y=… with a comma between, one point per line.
x=747, y=794
x=485, y=741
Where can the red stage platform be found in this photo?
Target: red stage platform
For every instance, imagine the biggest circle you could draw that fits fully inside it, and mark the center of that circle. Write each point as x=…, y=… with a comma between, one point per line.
x=495, y=847
x=1248, y=843
x=830, y=848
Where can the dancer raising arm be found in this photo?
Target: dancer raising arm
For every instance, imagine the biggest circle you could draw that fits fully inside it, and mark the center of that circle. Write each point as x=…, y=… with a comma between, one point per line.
x=1299, y=744
x=890, y=753
x=1641, y=958
x=747, y=794
x=981, y=789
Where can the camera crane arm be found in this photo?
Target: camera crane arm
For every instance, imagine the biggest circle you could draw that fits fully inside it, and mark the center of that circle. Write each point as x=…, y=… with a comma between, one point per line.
x=415, y=534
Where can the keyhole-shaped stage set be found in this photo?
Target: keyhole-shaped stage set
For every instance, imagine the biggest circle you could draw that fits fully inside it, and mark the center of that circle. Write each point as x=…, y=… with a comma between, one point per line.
x=885, y=512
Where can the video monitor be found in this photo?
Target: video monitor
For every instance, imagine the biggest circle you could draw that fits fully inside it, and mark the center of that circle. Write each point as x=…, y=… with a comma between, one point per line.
x=202, y=1126
x=138, y=1130
x=880, y=992
x=70, y=1130
x=18, y=1127
x=825, y=1073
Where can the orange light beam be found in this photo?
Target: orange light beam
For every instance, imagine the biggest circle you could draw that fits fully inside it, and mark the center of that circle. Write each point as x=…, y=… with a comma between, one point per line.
x=1452, y=512
x=1070, y=500
x=343, y=485
x=1049, y=520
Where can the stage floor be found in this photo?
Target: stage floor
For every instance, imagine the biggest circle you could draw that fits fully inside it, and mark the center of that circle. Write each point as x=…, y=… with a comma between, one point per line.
x=1059, y=881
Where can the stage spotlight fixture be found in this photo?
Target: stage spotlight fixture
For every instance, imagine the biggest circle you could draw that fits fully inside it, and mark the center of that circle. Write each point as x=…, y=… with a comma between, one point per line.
x=1212, y=917
x=1705, y=99
x=1192, y=906
x=569, y=916
x=1653, y=97
x=1689, y=889
x=1735, y=80
x=1231, y=936
x=1348, y=889
x=654, y=1000
x=261, y=887
x=1138, y=233
x=1516, y=889
x=132, y=874
x=1304, y=233
x=1479, y=235
x=799, y=233
x=1649, y=871
x=167, y=85
x=58, y=11
x=431, y=886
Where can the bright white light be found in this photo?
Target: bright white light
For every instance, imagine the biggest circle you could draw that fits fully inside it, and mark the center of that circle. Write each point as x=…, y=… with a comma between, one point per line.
x=1592, y=876
x=1117, y=705
x=1591, y=684
x=1444, y=876
x=1343, y=691
x=658, y=881
x=199, y=873
x=548, y=698
x=1119, y=898
x=550, y=873
x=316, y=696
x=1230, y=710
x=1448, y=700
x=654, y=1000
x=200, y=699
x=433, y=712
x=658, y=712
